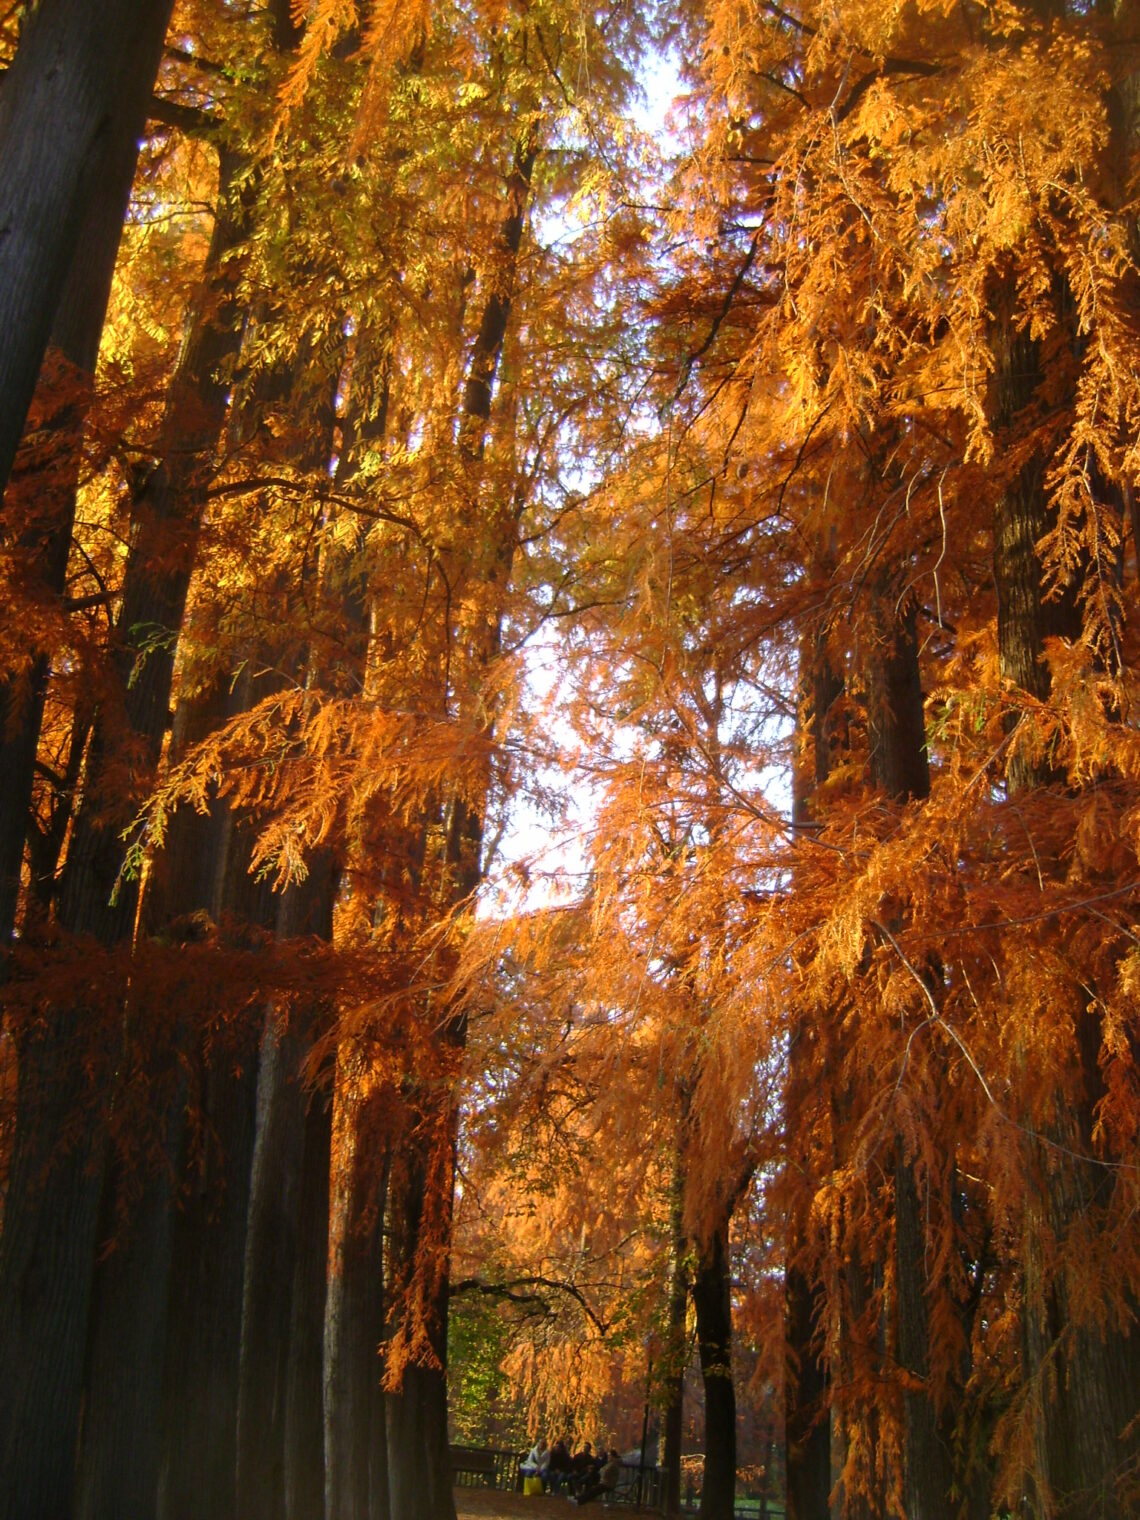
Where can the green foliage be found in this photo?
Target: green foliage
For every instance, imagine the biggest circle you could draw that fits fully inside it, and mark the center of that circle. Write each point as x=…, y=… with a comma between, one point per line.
x=482, y=1413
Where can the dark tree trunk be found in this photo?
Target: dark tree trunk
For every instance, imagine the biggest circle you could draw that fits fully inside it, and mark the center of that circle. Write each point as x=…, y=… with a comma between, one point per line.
x=379, y=1478
x=899, y=768
x=1089, y=1378
x=808, y=1432
x=488, y=348
x=674, y=1357
x=420, y=1191
x=57, y=109
x=49, y=1232
x=120, y=1442
x=201, y=1383
x=416, y=1428
x=860, y=1341
x=273, y=1229
x=354, y=1316
x=205, y=868
x=895, y=721
x=40, y=515
x=419, y=1212
x=270, y=1263
x=712, y=1301
x=928, y=1474
x=304, y=1394
x=807, y=1429
x=1025, y=617
x=46, y=1258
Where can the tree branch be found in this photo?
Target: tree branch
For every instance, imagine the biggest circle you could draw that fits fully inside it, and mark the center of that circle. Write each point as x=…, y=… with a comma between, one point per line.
x=191, y=120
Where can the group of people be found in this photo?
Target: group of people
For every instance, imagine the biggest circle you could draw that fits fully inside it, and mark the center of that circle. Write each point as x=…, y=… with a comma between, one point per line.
x=586, y=1475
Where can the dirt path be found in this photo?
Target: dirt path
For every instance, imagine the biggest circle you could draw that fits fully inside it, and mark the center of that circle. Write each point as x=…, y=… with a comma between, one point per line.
x=489, y=1504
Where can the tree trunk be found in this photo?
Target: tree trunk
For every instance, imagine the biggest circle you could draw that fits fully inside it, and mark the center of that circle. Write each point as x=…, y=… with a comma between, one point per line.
x=205, y=867
x=201, y=1383
x=712, y=1301
x=120, y=1447
x=40, y=514
x=57, y=110
x=304, y=1395
x=120, y=1441
x=899, y=768
x=807, y=1429
x=270, y=1264
x=46, y=1257
x=420, y=1195
x=419, y=1218
x=49, y=1233
x=1083, y=1379
x=273, y=1227
x=895, y=721
x=673, y=1359
x=354, y=1316
x=928, y=1475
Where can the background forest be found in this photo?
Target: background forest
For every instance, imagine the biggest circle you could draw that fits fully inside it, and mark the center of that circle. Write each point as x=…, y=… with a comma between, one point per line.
x=569, y=759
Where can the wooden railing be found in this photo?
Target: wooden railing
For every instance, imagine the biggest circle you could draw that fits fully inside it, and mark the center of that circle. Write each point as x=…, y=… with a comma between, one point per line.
x=484, y=1467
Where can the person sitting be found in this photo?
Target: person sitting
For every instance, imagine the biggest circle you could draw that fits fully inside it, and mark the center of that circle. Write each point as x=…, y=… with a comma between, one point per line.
x=531, y=1464
x=584, y=1461
x=603, y=1481
x=559, y=1467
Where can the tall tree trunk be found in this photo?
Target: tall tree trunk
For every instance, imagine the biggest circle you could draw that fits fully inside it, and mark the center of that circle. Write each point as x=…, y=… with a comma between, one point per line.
x=205, y=867
x=420, y=1191
x=807, y=1431
x=48, y=496
x=201, y=1380
x=304, y=1480
x=674, y=1356
x=419, y=1214
x=49, y=1229
x=1084, y=1380
x=120, y=1449
x=273, y=1229
x=120, y=1441
x=899, y=768
x=712, y=1301
x=57, y=112
x=354, y=1315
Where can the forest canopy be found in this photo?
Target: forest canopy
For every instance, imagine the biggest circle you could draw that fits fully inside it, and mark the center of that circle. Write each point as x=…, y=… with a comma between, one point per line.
x=569, y=792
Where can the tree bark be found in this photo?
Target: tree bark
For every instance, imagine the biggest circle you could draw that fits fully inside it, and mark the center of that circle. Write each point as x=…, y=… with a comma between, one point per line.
x=900, y=769
x=1084, y=1382
x=120, y=1441
x=201, y=1381
x=304, y=1393
x=419, y=1475
x=273, y=1227
x=674, y=1356
x=47, y=499
x=419, y=1220
x=55, y=1085
x=807, y=1429
x=72, y=68
x=712, y=1301
x=120, y=1449
x=354, y=1315
x=205, y=869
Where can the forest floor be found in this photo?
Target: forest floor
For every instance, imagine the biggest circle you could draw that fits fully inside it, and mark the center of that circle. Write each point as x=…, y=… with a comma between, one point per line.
x=490, y=1504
